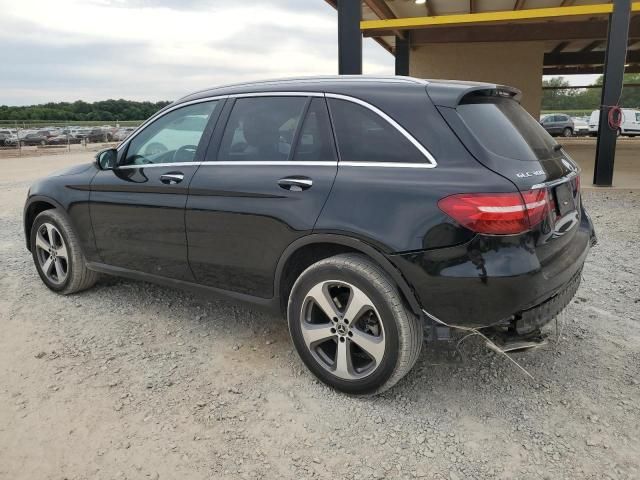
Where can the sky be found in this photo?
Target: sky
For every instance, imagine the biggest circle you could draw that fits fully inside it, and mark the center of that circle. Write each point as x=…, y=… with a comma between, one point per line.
x=65, y=50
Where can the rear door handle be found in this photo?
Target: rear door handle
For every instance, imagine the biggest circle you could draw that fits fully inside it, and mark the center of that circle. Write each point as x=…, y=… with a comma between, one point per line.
x=172, y=178
x=295, y=184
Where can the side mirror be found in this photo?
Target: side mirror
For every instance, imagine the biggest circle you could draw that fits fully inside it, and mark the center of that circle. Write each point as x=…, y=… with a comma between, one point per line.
x=107, y=159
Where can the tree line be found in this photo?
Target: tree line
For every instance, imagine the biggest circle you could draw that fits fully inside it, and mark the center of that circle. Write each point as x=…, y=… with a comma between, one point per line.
x=122, y=110
x=586, y=99
x=107, y=110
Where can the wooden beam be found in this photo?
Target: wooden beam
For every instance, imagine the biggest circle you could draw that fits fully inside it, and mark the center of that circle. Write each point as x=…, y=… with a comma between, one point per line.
x=384, y=44
x=592, y=45
x=540, y=31
x=383, y=12
x=380, y=8
x=559, y=47
x=428, y=6
x=585, y=70
x=584, y=58
x=507, y=16
x=380, y=41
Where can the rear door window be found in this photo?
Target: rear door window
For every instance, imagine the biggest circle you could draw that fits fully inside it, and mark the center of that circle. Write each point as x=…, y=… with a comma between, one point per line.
x=261, y=129
x=364, y=136
x=504, y=128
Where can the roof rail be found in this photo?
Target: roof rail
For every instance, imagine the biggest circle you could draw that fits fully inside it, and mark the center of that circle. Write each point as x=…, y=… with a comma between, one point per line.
x=319, y=79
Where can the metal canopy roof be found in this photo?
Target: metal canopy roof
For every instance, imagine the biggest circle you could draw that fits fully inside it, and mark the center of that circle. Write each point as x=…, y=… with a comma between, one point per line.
x=573, y=31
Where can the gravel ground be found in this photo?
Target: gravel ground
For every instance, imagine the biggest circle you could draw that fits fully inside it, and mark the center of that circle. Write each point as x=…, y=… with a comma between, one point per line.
x=132, y=380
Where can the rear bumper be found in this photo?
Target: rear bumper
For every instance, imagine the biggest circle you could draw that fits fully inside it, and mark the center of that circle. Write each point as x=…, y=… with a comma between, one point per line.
x=499, y=279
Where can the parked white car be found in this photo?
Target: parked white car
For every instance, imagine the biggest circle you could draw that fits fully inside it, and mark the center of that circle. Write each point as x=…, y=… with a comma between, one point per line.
x=580, y=127
x=630, y=122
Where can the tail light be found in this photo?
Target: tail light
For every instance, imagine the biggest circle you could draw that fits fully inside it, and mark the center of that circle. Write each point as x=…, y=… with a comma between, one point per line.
x=498, y=213
x=577, y=184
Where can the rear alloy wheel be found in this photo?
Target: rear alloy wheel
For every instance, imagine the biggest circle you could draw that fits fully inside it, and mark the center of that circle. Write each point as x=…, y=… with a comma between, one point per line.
x=342, y=329
x=351, y=327
x=567, y=132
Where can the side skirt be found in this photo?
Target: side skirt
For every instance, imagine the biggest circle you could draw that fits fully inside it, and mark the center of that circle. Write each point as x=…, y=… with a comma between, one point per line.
x=269, y=304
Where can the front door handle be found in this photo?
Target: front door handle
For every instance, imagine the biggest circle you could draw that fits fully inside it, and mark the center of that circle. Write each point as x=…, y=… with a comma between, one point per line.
x=171, y=178
x=295, y=184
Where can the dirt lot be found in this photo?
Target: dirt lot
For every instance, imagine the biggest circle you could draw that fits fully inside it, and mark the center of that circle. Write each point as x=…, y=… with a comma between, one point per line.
x=131, y=380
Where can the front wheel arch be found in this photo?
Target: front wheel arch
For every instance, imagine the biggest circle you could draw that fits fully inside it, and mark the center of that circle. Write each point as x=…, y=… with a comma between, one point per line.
x=34, y=207
x=329, y=245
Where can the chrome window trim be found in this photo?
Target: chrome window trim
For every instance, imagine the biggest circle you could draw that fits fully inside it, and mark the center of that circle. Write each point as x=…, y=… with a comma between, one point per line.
x=283, y=163
x=387, y=164
x=556, y=182
x=156, y=165
x=276, y=163
x=432, y=161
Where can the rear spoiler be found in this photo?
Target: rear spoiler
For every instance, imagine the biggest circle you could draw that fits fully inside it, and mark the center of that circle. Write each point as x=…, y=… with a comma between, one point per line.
x=451, y=94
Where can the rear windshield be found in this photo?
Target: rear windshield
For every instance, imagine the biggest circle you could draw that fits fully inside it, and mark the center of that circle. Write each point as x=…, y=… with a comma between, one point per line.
x=506, y=129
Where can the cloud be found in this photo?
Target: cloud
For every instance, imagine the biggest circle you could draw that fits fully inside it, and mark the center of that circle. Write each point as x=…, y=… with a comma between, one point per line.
x=144, y=50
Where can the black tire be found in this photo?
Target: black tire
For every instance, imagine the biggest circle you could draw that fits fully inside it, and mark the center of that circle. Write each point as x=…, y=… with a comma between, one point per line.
x=78, y=276
x=402, y=330
x=567, y=132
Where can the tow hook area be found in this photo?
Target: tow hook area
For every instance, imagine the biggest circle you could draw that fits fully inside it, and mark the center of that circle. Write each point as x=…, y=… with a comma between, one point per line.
x=506, y=340
x=502, y=339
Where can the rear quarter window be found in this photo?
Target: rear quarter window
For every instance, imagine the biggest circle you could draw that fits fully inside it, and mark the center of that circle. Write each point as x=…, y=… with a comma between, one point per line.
x=364, y=136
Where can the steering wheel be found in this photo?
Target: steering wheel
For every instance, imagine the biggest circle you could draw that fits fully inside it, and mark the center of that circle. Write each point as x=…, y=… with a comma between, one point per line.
x=185, y=153
x=155, y=148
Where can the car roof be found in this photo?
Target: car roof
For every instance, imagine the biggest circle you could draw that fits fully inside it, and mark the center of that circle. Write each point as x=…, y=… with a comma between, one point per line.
x=344, y=84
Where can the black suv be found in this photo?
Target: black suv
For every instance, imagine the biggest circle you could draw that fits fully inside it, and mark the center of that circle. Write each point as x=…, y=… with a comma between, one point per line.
x=366, y=209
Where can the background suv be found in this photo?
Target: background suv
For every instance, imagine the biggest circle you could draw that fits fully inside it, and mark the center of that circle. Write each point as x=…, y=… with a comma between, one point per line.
x=365, y=209
x=558, y=124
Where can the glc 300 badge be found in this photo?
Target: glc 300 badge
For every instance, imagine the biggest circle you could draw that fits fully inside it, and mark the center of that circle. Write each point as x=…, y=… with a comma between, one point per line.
x=535, y=173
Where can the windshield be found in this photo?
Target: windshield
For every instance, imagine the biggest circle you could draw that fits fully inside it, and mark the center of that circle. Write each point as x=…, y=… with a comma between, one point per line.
x=506, y=129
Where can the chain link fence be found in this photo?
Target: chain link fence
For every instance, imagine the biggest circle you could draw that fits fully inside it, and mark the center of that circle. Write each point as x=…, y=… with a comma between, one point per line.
x=29, y=137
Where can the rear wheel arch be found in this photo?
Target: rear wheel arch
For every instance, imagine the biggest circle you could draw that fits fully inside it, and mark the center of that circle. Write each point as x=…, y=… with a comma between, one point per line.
x=312, y=248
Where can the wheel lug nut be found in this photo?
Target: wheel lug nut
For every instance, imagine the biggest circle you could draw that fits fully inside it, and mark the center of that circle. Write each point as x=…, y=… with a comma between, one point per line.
x=333, y=330
x=346, y=321
x=351, y=334
x=342, y=339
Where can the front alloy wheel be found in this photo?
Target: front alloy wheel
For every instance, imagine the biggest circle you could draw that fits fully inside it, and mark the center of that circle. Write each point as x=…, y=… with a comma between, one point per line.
x=55, y=248
x=52, y=253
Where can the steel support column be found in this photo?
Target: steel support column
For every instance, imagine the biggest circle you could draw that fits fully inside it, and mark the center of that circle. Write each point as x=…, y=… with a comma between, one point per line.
x=617, y=38
x=402, y=55
x=349, y=37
